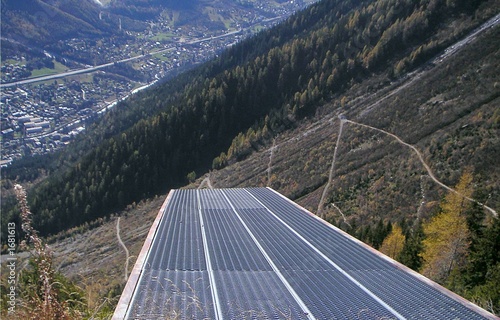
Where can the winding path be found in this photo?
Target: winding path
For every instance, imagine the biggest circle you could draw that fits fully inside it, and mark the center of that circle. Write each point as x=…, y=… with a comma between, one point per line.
x=426, y=166
x=207, y=182
x=392, y=90
x=332, y=168
x=124, y=248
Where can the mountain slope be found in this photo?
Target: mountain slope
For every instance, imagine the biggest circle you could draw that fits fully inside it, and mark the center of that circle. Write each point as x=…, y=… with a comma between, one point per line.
x=302, y=158
x=38, y=22
x=273, y=90
x=448, y=110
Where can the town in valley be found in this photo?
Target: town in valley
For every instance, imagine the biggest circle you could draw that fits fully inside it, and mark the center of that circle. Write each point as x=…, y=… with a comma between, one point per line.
x=48, y=98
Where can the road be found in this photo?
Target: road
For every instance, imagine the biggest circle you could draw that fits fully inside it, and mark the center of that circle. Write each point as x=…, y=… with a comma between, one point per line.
x=79, y=71
x=109, y=64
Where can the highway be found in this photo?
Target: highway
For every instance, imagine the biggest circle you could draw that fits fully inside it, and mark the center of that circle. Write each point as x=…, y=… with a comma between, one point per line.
x=109, y=64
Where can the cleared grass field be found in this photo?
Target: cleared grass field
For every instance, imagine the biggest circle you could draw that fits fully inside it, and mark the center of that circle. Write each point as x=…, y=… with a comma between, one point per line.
x=58, y=68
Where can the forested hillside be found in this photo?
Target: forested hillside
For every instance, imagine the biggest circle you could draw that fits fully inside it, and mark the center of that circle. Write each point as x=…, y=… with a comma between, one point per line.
x=354, y=171
x=270, y=81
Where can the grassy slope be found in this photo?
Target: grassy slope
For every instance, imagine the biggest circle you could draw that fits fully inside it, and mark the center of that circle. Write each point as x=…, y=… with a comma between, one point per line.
x=95, y=259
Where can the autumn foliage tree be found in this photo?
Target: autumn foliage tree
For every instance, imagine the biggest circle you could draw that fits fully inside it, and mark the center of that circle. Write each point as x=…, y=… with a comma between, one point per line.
x=447, y=234
x=393, y=244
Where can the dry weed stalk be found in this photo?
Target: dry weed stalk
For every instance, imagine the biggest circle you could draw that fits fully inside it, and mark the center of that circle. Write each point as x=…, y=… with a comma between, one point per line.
x=44, y=303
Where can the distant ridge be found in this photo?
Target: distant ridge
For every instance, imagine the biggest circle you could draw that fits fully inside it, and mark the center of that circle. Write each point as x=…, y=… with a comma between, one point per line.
x=40, y=22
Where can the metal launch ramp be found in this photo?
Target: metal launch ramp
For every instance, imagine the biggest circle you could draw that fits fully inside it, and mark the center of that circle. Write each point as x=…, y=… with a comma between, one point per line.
x=251, y=253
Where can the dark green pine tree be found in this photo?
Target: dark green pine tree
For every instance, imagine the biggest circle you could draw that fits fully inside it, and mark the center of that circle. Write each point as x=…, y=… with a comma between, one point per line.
x=410, y=255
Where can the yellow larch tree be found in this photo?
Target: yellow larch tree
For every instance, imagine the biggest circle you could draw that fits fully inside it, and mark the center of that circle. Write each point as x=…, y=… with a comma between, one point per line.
x=393, y=244
x=447, y=235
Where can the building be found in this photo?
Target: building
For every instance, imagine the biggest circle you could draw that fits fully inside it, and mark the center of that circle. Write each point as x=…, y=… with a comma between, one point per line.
x=33, y=130
x=8, y=133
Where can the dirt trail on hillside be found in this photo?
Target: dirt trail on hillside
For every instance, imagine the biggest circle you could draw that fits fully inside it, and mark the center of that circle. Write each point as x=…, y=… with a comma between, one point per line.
x=332, y=169
x=426, y=166
x=127, y=255
x=206, y=182
x=270, y=163
x=365, y=104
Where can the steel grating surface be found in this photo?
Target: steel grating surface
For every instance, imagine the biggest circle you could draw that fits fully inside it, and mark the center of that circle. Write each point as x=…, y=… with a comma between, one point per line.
x=171, y=295
x=253, y=254
x=180, y=229
x=411, y=297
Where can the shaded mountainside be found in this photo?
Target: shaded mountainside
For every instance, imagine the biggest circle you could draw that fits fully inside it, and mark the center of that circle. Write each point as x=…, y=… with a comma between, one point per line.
x=48, y=24
x=43, y=22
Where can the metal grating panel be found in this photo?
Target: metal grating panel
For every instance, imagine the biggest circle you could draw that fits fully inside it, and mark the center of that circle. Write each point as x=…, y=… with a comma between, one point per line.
x=413, y=298
x=172, y=295
x=256, y=295
x=253, y=254
x=332, y=296
x=323, y=236
x=178, y=243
